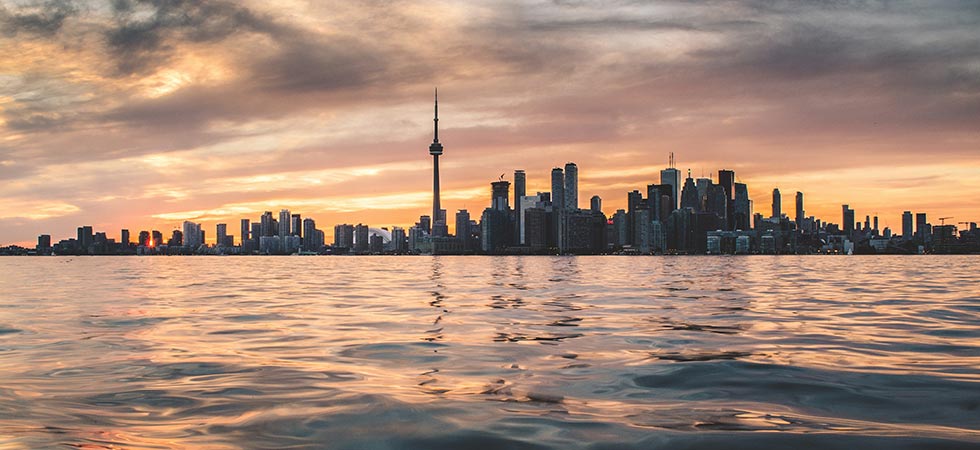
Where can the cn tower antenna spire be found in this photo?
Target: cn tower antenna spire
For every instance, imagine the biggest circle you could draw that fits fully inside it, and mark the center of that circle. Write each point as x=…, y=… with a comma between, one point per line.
x=435, y=120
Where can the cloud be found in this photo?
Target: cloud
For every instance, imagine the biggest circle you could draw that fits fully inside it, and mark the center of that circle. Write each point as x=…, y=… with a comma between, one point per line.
x=136, y=108
x=35, y=209
x=144, y=34
x=42, y=18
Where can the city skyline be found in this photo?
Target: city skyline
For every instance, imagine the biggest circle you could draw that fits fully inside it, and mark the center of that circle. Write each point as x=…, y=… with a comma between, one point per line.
x=563, y=191
x=131, y=118
x=695, y=217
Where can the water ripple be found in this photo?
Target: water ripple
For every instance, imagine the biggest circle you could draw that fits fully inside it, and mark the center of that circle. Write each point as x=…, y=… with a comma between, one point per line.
x=488, y=353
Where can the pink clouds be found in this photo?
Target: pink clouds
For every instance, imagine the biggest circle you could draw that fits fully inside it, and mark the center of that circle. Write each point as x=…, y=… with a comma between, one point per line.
x=133, y=115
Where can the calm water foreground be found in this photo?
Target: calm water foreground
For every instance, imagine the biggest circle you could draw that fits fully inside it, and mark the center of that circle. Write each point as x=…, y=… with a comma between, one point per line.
x=490, y=352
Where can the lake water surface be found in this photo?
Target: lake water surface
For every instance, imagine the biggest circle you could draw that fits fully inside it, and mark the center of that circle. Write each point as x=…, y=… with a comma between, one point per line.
x=490, y=352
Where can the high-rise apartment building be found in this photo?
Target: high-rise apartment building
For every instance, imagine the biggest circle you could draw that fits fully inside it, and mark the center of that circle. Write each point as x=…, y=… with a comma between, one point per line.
x=777, y=204
x=245, y=229
x=571, y=186
x=557, y=188
x=847, y=220
x=907, y=225
x=520, y=190
x=284, y=224
x=800, y=213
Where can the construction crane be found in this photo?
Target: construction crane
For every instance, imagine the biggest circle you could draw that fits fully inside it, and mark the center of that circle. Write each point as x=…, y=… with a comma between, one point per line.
x=942, y=220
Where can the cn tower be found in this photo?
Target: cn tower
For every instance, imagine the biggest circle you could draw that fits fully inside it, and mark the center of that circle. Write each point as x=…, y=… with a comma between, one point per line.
x=435, y=149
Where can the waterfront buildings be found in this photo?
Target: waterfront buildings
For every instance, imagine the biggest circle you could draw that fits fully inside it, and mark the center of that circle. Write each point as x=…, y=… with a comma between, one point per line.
x=696, y=217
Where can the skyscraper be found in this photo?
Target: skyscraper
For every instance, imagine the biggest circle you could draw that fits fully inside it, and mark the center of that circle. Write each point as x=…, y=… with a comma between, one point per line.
x=595, y=204
x=246, y=225
x=343, y=236
x=268, y=228
x=717, y=202
x=658, y=198
x=920, y=224
x=435, y=149
x=399, y=243
x=689, y=194
x=671, y=176
x=221, y=234
x=557, y=188
x=463, y=227
x=496, y=226
x=176, y=239
x=907, y=225
x=296, y=225
x=777, y=204
x=43, y=243
x=726, y=179
x=703, y=184
x=85, y=237
x=500, y=190
x=362, y=237
x=284, y=223
x=255, y=234
x=309, y=232
x=800, y=214
x=520, y=190
x=192, y=234
x=633, y=200
x=742, y=209
x=124, y=237
x=571, y=186
x=847, y=220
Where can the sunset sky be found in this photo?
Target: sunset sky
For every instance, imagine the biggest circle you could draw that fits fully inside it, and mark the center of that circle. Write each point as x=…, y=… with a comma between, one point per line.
x=142, y=114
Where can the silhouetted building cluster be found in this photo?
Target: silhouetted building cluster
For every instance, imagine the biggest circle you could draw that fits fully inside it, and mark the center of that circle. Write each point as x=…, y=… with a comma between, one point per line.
x=671, y=216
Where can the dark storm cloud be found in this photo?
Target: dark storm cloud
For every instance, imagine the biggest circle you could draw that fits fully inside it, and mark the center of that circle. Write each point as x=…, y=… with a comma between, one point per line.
x=300, y=66
x=804, y=50
x=145, y=33
x=295, y=76
x=44, y=18
x=851, y=77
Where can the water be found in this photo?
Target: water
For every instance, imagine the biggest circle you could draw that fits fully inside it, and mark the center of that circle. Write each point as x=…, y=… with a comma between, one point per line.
x=490, y=352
